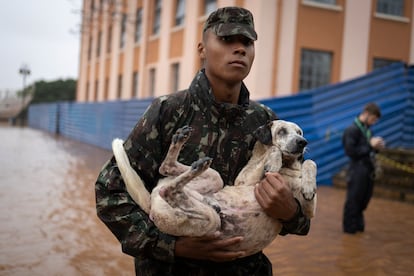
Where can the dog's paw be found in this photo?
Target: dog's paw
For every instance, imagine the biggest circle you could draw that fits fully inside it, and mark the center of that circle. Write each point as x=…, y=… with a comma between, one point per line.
x=309, y=195
x=182, y=134
x=201, y=164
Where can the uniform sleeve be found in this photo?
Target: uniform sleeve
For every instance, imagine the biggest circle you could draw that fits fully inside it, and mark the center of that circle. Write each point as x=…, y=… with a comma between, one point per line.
x=298, y=225
x=126, y=220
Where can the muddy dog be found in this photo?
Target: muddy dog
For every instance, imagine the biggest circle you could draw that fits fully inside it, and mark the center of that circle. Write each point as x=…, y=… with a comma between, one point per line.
x=191, y=200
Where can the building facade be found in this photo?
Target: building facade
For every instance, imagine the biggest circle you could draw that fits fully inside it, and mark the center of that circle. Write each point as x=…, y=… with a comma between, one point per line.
x=147, y=48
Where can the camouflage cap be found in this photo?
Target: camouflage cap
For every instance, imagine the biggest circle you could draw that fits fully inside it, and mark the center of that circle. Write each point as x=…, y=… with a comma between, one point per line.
x=231, y=21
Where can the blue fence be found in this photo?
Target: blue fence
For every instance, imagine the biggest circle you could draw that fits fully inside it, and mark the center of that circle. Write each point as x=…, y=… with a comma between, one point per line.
x=323, y=114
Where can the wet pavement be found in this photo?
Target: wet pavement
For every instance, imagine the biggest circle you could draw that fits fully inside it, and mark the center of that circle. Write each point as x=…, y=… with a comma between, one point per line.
x=49, y=224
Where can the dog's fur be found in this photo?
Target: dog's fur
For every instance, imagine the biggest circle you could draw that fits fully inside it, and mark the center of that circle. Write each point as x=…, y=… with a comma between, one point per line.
x=191, y=201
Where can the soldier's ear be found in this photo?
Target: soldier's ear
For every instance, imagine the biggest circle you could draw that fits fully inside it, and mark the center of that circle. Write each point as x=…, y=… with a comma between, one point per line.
x=201, y=50
x=264, y=134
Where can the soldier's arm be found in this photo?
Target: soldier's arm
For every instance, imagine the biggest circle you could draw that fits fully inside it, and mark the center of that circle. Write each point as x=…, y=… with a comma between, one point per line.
x=130, y=225
x=298, y=225
x=124, y=218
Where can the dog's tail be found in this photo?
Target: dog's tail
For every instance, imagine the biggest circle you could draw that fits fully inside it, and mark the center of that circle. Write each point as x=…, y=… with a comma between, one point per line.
x=134, y=184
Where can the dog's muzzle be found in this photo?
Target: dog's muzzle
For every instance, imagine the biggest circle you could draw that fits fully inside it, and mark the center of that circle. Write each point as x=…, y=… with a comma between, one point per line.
x=299, y=145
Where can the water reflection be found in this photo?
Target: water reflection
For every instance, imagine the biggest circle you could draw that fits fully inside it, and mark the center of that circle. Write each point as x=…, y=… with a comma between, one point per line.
x=49, y=224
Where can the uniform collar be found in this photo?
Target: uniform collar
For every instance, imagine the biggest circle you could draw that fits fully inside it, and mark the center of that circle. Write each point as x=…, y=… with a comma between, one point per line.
x=205, y=93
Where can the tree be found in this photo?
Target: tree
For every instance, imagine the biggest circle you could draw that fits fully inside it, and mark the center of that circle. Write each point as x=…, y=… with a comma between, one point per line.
x=54, y=91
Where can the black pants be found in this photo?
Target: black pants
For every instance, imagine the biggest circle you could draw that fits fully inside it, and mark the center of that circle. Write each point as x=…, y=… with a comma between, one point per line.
x=360, y=187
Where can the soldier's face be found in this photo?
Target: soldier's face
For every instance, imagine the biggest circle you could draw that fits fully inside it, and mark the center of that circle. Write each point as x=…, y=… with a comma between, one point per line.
x=227, y=58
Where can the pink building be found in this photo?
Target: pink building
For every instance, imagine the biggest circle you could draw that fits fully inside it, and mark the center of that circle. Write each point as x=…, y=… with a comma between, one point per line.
x=145, y=48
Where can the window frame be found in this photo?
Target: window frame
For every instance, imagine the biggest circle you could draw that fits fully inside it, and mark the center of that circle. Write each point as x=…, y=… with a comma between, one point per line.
x=156, y=21
x=138, y=25
x=317, y=75
x=122, y=38
x=209, y=6
x=381, y=7
x=135, y=84
x=175, y=76
x=179, y=18
x=385, y=62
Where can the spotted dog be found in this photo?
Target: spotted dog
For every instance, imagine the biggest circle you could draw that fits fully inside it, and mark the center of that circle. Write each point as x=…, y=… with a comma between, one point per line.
x=191, y=200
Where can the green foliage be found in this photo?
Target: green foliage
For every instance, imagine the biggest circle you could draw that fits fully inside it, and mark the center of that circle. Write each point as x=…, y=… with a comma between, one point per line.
x=54, y=91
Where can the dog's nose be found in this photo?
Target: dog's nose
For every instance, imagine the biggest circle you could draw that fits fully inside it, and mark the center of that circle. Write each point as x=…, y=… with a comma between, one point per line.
x=302, y=142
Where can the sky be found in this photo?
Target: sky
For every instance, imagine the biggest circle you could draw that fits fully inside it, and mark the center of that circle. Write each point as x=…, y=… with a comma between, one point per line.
x=42, y=34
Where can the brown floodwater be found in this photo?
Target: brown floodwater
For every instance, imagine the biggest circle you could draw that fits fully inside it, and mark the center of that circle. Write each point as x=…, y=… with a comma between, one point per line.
x=49, y=224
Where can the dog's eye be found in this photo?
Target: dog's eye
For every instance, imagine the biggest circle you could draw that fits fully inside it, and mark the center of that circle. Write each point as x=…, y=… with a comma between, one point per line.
x=282, y=131
x=299, y=132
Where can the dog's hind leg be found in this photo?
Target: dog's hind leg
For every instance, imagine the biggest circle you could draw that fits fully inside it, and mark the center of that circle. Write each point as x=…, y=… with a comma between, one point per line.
x=173, y=192
x=134, y=184
x=170, y=166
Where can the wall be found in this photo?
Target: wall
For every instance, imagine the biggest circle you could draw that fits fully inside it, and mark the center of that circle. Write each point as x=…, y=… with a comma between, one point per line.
x=323, y=114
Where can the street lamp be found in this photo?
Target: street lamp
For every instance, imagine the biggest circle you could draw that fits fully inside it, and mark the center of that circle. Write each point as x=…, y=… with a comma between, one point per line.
x=24, y=71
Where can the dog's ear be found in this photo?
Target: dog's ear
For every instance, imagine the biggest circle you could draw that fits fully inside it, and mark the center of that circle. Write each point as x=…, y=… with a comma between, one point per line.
x=264, y=134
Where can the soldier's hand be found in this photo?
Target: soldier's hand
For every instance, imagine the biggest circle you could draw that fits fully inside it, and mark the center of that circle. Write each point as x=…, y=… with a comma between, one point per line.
x=275, y=197
x=211, y=248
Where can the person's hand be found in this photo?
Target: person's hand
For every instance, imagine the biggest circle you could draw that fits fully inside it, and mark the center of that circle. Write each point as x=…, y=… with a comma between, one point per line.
x=275, y=197
x=211, y=248
x=377, y=142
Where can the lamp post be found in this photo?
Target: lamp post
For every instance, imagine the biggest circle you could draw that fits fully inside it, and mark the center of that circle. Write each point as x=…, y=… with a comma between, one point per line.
x=24, y=71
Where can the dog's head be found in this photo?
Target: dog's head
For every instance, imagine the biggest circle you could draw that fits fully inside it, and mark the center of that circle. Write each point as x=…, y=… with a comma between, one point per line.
x=286, y=136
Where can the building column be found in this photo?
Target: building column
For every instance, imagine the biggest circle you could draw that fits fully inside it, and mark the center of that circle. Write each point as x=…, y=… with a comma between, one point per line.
x=354, y=61
x=265, y=15
x=188, y=59
x=287, y=46
x=129, y=51
x=162, y=73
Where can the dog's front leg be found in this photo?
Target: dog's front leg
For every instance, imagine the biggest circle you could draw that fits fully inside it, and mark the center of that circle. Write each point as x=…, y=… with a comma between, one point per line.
x=308, y=185
x=273, y=162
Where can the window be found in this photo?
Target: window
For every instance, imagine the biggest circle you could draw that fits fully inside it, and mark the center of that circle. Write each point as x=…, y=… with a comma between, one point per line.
x=123, y=31
x=179, y=13
x=156, y=24
x=175, y=76
x=95, y=97
x=152, y=82
x=138, y=25
x=90, y=48
x=329, y=2
x=109, y=39
x=209, y=6
x=106, y=89
x=315, y=69
x=119, y=92
x=98, y=45
x=135, y=79
x=391, y=7
x=87, y=92
x=382, y=62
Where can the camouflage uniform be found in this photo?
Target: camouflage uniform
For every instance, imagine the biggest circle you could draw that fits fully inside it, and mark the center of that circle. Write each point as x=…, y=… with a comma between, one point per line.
x=221, y=131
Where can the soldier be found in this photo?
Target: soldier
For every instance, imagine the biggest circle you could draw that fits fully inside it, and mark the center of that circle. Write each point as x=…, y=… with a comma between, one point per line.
x=217, y=107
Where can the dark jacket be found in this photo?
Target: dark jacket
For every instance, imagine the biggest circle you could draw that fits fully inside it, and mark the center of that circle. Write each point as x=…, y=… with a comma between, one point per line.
x=221, y=131
x=356, y=145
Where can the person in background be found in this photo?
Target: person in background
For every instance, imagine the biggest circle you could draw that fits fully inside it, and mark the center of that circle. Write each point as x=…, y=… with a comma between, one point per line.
x=360, y=146
x=217, y=106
